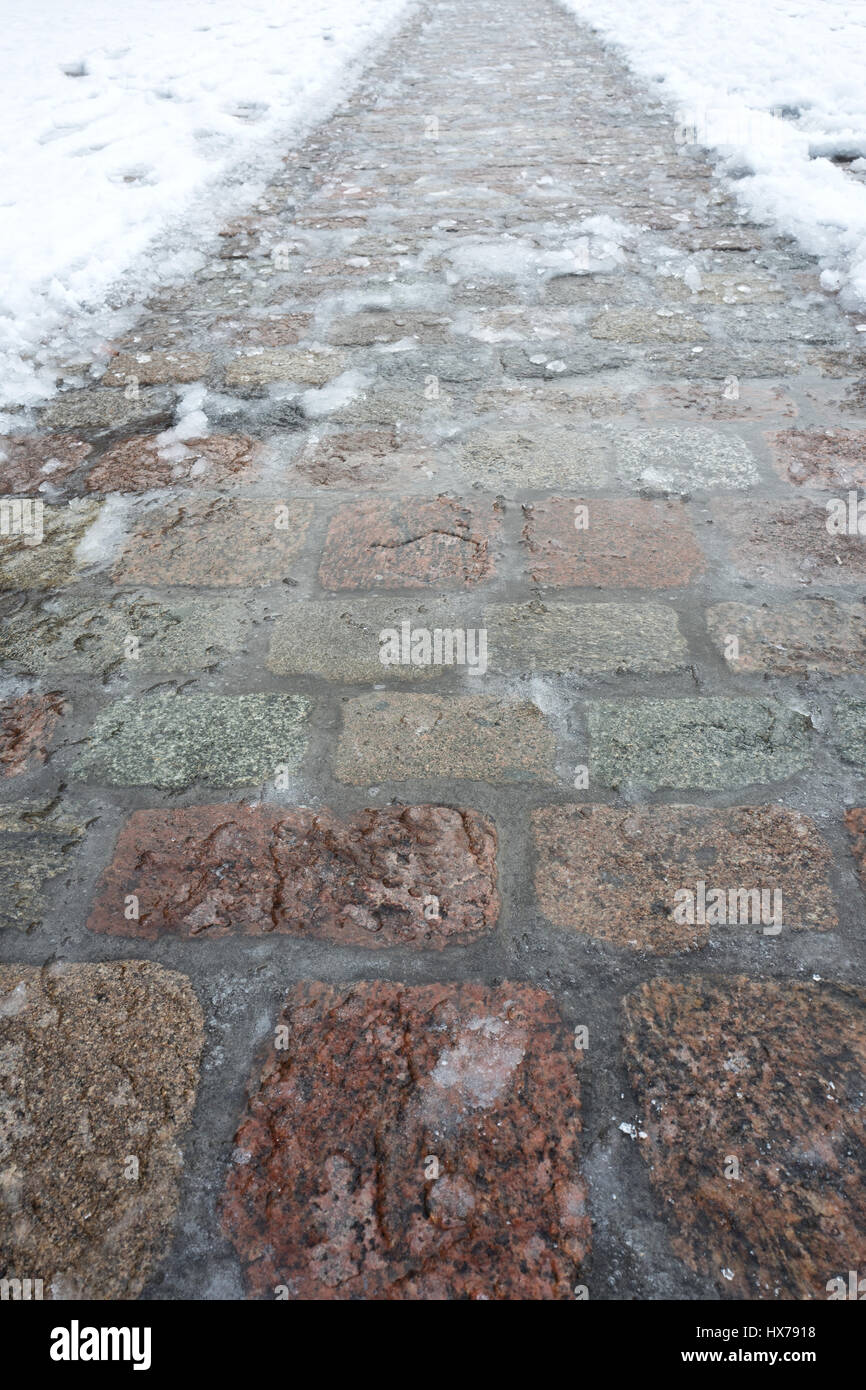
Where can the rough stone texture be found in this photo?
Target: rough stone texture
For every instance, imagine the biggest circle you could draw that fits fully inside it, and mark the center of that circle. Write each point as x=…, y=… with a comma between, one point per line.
x=281, y=364
x=362, y=458
x=30, y=462
x=451, y=365
x=71, y=634
x=363, y=330
x=684, y=460
x=473, y=737
x=731, y=400
x=409, y=543
x=552, y=360
x=98, y=409
x=772, y=1074
x=628, y=543
x=577, y=638
x=855, y=820
x=788, y=543
x=613, y=873
x=642, y=326
x=715, y=742
x=141, y=463
x=536, y=458
x=99, y=1066
x=329, y=1194
x=156, y=368
x=421, y=876
x=792, y=639
x=36, y=839
x=484, y=259
x=216, y=543
x=820, y=458
x=172, y=741
x=342, y=642
x=722, y=287
x=27, y=724
x=52, y=561
x=849, y=730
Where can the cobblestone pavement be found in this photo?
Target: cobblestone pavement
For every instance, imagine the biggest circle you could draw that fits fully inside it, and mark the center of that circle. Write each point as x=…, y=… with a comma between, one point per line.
x=334, y=978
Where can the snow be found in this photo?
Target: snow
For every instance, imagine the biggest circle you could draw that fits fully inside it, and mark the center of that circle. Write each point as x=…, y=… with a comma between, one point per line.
x=776, y=88
x=122, y=123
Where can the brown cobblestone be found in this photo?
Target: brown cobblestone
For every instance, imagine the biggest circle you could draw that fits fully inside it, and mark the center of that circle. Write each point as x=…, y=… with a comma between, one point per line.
x=770, y=1075
x=820, y=458
x=141, y=463
x=788, y=542
x=389, y=737
x=619, y=544
x=809, y=636
x=30, y=461
x=412, y=1142
x=100, y=1067
x=217, y=543
x=421, y=876
x=27, y=724
x=409, y=543
x=613, y=873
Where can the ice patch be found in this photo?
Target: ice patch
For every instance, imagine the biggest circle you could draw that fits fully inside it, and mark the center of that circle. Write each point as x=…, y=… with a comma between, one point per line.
x=323, y=401
x=192, y=423
x=480, y=1067
x=101, y=542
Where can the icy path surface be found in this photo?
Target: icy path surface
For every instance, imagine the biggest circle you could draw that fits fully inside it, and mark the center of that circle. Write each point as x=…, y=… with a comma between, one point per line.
x=117, y=120
x=778, y=89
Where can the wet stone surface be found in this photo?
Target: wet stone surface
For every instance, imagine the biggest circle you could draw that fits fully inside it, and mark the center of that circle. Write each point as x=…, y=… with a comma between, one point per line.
x=27, y=724
x=711, y=1062
x=421, y=876
x=610, y=544
x=36, y=842
x=615, y=874
x=98, y=1080
x=172, y=741
x=536, y=385
x=409, y=544
x=713, y=742
x=332, y=1193
x=391, y=737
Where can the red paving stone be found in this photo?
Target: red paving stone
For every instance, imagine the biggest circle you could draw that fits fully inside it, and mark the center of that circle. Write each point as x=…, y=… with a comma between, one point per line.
x=820, y=458
x=215, y=543
x=422, y=876
x=31, y=460
x=142, y=463
x=27, y=724
x=409, y=543
x=789, y=542
x=810, y=636
x=412, y=1142
x=629, y=544
x=769, y=1074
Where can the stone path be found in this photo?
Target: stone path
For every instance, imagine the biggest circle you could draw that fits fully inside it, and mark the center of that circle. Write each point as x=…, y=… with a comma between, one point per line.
x=335, y=978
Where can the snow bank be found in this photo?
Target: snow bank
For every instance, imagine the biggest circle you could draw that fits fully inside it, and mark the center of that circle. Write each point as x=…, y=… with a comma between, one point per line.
x=778, y=88
x=120, y=120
